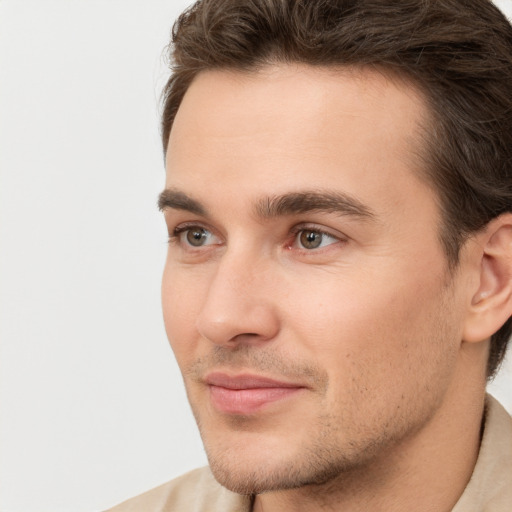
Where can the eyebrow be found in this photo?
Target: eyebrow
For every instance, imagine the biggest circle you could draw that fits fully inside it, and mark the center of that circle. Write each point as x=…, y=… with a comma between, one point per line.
x=171, y=198
x=313, y=201
x=292, y=203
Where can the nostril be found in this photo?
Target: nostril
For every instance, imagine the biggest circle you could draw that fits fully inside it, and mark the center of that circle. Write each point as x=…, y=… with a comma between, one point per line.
x=249, y=338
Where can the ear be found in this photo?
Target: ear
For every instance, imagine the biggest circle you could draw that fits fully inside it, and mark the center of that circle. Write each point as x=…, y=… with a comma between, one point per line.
x=491, y=305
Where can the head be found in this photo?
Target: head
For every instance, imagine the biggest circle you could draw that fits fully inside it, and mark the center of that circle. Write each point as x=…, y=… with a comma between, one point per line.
x=319, y=260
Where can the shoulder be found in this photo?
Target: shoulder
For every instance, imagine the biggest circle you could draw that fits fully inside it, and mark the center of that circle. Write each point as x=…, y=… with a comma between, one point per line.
x=490, y=486
x=196, y=491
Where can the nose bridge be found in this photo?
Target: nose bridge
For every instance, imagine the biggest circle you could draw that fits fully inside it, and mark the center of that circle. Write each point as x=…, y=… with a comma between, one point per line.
x=239, y=300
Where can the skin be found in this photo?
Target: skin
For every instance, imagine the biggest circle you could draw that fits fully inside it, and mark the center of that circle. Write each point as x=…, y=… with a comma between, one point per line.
x=370, y=323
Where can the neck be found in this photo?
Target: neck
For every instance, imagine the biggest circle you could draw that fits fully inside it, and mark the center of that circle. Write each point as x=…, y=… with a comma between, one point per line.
x=426, y=472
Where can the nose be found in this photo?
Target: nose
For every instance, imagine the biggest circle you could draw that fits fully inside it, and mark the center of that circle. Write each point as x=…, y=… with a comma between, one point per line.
x=240, y=304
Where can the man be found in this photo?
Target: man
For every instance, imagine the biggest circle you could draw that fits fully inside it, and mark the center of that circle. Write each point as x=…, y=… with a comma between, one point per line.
x=338, y=286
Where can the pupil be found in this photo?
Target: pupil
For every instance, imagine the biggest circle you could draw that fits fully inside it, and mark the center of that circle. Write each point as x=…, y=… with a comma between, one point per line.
x=196, y=237
x=310, y=239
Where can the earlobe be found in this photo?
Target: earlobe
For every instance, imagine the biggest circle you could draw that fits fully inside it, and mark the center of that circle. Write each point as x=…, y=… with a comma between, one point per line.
x=491, y=304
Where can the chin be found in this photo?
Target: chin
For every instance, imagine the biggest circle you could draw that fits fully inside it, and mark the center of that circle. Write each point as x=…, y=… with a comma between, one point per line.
x=267, y=466
x=248, y=463
x=240, y=478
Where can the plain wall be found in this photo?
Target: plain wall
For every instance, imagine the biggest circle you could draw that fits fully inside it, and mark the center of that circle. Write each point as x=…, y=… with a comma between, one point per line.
x=92, y=405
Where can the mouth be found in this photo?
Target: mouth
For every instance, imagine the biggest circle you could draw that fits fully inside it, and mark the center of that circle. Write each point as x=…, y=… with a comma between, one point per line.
x=247, y=394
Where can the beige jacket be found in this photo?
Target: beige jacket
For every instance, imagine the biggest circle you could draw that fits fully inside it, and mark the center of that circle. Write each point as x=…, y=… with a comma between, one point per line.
x=489, y=489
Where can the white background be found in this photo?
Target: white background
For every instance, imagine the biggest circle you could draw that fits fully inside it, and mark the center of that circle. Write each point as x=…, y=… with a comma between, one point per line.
x=92, y=405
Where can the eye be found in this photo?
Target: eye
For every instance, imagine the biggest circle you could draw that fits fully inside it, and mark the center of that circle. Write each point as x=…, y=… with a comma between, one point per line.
x=314, y=239
x=194, y=236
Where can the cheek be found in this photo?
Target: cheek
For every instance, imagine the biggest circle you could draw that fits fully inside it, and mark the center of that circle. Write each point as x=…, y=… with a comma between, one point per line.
x=180, y=306
x=367, y=332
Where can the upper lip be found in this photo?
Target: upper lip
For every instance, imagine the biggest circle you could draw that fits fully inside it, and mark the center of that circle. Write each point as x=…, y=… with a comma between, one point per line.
x=246, y=381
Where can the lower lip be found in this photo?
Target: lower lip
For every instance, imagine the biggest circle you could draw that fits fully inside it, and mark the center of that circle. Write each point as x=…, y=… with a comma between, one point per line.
x=247, y=401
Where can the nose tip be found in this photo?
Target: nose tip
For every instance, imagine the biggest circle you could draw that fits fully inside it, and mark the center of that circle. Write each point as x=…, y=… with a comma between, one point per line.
x=239, y=308
x=230, y=325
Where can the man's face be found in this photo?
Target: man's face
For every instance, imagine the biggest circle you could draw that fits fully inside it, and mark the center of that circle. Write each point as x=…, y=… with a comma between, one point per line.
x=306, y=293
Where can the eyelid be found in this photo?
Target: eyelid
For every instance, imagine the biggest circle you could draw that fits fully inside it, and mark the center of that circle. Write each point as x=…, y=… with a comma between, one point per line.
x=320, y=229
x=183, y=226
x=176, y=232
x=337, y=236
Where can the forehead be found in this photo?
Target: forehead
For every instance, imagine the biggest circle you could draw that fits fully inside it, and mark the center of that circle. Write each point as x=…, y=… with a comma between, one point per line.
x=294, y=127
x=302, y=92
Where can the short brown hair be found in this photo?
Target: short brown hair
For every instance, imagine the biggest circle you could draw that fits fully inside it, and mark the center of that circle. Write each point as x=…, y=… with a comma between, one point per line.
x=458, y=52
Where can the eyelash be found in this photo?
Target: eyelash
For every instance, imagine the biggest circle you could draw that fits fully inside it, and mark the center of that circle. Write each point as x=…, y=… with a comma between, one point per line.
x=183, y=228
x=296, y=230
x=174, y=238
